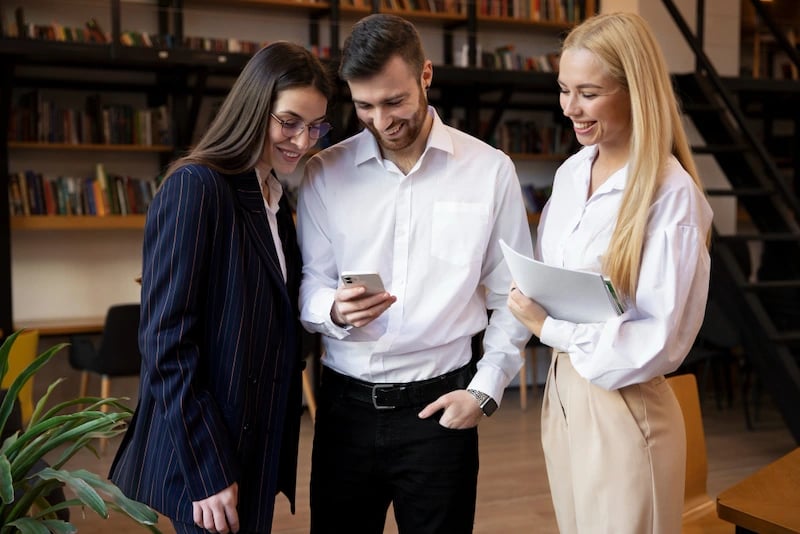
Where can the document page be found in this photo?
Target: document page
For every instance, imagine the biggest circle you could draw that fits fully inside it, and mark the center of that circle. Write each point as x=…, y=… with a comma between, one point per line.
x=575, y=296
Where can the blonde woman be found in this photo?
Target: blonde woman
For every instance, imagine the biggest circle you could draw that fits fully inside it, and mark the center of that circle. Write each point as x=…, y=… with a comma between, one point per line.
x=628, y=205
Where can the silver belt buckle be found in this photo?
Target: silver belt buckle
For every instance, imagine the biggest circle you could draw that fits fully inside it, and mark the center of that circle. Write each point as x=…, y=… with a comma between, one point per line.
x=375, y=389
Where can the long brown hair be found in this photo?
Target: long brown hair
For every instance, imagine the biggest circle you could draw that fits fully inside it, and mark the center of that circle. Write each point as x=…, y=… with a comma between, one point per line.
x=234, y=140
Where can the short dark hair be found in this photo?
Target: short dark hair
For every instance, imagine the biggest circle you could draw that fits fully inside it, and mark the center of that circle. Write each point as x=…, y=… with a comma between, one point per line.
x=376, y=39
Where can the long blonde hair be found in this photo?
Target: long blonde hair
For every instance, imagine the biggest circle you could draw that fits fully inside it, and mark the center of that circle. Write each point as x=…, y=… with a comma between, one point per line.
x=624, y=43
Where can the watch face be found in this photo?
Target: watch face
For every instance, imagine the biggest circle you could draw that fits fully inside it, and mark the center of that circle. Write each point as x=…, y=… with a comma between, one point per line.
x=489, y=406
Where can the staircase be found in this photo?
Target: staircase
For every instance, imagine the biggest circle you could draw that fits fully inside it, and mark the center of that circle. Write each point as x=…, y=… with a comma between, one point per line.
x=767, y=311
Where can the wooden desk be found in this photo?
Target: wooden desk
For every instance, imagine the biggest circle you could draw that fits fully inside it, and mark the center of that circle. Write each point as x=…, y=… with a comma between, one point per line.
x=63, y=327
x=767, y=501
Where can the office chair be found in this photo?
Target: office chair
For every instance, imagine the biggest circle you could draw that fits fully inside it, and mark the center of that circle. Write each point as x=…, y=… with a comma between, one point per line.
x=699, y=509
x=117, y=353
x=716, y=350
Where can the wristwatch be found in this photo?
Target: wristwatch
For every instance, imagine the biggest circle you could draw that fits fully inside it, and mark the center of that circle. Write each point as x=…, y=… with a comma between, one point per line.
x=487, y=404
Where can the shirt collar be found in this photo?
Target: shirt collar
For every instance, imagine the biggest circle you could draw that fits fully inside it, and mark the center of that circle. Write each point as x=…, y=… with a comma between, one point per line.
x=439, y=138
x=275, y=190
x=615, y=182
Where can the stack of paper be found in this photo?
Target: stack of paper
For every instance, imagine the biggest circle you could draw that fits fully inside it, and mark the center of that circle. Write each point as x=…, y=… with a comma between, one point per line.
x=575, y=296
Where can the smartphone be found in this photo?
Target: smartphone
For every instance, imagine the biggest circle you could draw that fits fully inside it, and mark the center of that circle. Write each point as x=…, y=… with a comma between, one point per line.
x=371, y=281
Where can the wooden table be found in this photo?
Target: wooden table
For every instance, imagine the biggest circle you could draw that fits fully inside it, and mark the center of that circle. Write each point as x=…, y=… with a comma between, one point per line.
x=64, y=327
x=766, y=502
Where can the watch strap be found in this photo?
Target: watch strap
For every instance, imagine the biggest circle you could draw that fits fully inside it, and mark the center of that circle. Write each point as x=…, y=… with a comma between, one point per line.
x=487, y=404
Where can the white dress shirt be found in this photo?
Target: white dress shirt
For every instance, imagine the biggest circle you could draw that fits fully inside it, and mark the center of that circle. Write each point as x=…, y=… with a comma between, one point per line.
x=271, y=184
x=653, y=337
x=433, y=237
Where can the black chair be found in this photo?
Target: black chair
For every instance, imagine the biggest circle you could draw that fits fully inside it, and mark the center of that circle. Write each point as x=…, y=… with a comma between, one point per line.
x=117, y=353
x=716, y=350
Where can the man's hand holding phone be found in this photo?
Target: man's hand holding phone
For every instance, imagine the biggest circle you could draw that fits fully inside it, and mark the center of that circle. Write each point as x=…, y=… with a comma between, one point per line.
x=360, y=299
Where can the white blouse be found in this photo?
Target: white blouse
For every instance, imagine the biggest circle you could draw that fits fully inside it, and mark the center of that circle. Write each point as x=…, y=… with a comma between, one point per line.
x=653, y=337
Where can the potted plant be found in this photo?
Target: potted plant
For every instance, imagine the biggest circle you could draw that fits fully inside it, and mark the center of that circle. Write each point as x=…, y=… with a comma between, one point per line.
x=26, y=481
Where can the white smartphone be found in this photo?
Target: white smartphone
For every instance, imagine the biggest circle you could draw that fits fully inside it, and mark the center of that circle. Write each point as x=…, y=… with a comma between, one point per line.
x=371, y=281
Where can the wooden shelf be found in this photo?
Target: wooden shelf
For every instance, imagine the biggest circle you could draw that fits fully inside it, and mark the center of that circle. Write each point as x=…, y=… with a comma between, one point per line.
x=64, y=326
x=543, y=25
x=77, y=222
x=416, y=15
x=31, y=145
x=292, y=4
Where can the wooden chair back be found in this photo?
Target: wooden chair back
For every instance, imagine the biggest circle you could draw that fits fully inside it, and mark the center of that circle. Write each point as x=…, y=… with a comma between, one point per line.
x=699, y=509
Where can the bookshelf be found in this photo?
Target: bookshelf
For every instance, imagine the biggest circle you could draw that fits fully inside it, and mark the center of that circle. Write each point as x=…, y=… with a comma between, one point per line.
x=76, y=222
x=179, y=54
x=87, y=147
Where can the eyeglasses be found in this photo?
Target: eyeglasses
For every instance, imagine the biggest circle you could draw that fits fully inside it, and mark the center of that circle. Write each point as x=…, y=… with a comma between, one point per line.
x=294, y=127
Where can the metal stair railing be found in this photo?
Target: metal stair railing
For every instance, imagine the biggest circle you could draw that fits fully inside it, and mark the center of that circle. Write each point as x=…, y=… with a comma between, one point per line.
x=768, y=348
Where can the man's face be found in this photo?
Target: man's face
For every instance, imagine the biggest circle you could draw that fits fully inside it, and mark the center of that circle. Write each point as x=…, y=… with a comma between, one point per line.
x=392, y=104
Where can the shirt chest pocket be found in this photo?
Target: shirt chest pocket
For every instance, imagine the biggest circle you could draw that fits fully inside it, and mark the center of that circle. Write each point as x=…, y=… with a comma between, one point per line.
x=459, y=231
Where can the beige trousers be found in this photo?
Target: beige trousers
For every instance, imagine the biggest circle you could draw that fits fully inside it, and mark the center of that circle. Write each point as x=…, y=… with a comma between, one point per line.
x=615, y=459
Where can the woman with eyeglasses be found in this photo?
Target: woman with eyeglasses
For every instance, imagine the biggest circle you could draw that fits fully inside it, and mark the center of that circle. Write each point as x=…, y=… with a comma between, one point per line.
x=214, y=436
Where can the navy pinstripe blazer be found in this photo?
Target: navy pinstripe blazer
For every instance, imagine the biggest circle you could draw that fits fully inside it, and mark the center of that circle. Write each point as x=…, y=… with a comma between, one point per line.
x=220, y=391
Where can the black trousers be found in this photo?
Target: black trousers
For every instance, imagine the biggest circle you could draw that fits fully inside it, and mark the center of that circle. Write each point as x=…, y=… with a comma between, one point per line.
x=365, y=458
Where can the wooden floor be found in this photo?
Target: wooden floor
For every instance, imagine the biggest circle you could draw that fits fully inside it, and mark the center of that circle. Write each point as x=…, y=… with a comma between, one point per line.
x=513, y=494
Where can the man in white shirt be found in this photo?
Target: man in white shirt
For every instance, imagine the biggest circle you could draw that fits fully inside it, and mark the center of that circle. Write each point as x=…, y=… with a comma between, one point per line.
x=423, y=205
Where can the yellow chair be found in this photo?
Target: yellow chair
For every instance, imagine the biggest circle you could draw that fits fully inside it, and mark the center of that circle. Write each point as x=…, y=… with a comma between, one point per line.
x=23, y=352
x=699, y=510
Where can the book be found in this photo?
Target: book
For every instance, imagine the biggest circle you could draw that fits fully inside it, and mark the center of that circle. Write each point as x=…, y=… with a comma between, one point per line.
x=566, y=294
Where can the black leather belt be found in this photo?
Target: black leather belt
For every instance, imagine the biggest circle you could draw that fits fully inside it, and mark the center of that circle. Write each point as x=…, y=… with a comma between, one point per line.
x=387, y=396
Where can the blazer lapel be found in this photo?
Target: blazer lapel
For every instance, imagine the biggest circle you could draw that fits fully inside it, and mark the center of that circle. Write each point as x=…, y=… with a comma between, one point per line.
x=248, y=190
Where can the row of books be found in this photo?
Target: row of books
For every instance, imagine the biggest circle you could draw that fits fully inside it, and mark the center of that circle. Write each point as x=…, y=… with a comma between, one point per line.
x=37, y=119
x=506, y=58
x=91, y=32
x=31, y=193
x=561, y=11
x=526, y=137
x=223, y=45
x=452, y=7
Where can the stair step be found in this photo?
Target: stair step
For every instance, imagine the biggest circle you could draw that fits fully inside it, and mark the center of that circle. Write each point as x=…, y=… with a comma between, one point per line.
x=786, y=336
x=740, y=192
x=772, y=284
x=783, y=236
x=692, y=107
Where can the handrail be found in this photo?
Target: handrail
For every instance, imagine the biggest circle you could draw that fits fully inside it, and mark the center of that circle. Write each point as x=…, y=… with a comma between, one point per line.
x=788, y=195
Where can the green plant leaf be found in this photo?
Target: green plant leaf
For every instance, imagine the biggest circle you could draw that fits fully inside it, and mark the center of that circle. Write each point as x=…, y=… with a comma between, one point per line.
x=48, y=511
x=8, y=400
x=26, y=525
x=82, y=489
x=5, y=351
x=22, y=378
x=65, y=430
x=6, y=482
x=58, y=526
x=37, y=411
x=136, y=510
